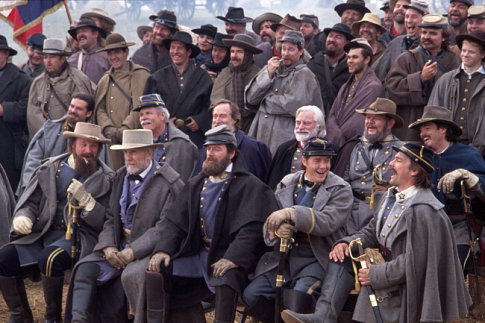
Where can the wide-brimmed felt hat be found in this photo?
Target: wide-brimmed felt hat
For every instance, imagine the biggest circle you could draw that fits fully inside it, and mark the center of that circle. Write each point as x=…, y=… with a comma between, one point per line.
x=243, y=41
x=438, y=114
x=370, y=18
x=434, y=21
x=357, y=43
x=114, y=41
x=477, y=36
x=89, y=131
x=477, y=10
x=220, y=135
x=340, y=28
x=55, y=46
x=36, y=40
x=150, y=101
x=136, y=138
x=319, y=147
x=99, y=13
x=165, y=18
x=358, y=5
x=86, y=22
x=207, y=29
x=419, y=5
x=141, y=30
x=235, y=15
x=383, y=106
x=4, y=46
x=267, y=16
x=289, y=21
x=218, y=40
x=385, y=6
x=418, y=153
x=185, y=38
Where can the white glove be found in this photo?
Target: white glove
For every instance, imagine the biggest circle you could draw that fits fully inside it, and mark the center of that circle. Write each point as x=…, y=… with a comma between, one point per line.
x=84, y=199
x=22, y=224
x=447, y=182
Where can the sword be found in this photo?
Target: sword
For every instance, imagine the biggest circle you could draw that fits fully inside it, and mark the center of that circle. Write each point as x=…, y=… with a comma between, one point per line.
x=285, y=245
x=370, y=290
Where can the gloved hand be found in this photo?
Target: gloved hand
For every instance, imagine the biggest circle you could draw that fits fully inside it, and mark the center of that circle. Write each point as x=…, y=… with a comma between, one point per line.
x=22, y=224
x=157, y=259
x=83, y=197
x=126, y=255
x=111, y=255
x=277, y=217
x=221, y=266
x=447, y=182
x=285, y=230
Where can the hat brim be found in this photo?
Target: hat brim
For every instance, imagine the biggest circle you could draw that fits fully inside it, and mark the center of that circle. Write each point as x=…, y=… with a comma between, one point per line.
x=73, y=33
x=236, y=20
x=265, y=17
x=149, y=105
x=116, y=46
x=55, y=52
x=356, y=26
x=454, y=127
x=200, y=31
x=71, y=134
x=242, y=44
x=399, y=122
x=195, y=49
x=98, y=15
x=461, y=37
x=427, y=166
x=134, y=146
x=276, y=26
x=346, y=6
x=347, y=35
x=12, y=52
x=141, y=30
x=353, y=44
x=319, y=153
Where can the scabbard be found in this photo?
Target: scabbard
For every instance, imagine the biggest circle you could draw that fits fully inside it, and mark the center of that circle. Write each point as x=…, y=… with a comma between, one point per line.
x=370, y=291
x=284, y=246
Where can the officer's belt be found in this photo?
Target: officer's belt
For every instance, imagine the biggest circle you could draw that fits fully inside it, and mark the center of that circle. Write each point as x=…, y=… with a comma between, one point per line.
x=361, y=196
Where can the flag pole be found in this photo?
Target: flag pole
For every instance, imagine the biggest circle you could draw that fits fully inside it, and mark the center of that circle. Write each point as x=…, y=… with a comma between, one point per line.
x=68, y=13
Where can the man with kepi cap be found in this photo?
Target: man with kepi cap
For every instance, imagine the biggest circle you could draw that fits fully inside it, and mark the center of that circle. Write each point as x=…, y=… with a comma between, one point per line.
x=14, y=93
x=420, y=279
x=211, y=238
x=315, y=205
x=43, y=219
x=453, y=162
x=141, y=194
x=35, y=64
x=476, y=18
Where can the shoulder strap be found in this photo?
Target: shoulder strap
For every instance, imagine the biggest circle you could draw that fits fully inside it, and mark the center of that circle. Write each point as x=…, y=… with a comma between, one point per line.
x=121, y=90
x=53, y=90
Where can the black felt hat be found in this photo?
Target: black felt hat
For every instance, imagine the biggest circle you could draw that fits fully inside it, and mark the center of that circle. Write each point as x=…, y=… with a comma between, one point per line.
x=185, y=38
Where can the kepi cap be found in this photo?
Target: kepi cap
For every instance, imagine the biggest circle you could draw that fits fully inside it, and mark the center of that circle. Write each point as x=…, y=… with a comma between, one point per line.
x=150, y=101
x=418, y=153
x=220, y=135
x=319, y=147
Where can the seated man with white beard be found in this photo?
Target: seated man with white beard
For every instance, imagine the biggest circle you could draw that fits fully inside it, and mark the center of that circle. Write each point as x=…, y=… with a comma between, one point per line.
x=309, y=122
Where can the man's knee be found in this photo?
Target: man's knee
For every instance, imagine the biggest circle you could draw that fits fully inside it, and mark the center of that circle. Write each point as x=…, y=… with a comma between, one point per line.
x=53, y=261
x=9, y=261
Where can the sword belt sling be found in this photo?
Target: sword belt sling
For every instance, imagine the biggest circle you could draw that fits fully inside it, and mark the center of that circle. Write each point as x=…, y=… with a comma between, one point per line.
x=121, y=90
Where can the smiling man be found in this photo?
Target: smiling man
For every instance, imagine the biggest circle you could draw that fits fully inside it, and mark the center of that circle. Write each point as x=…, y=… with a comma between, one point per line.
x=51, y=92
x=457, y=18
x=279, y=89
x=205, y=37
x=117, y=94
x=175, y=147
x=315, y=205
x=35, y=64
x=414, y=73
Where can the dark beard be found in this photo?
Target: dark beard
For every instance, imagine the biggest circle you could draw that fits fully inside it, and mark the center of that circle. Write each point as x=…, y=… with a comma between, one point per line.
x=215, y=169
x=330, y=53
x=84, y=167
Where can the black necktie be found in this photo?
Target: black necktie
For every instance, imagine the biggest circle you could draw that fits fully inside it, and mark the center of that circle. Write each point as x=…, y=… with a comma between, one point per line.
x=376, y=145
x=135, y=177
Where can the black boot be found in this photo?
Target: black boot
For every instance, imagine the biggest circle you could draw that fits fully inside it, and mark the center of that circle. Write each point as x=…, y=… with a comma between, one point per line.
x=336, y=287
x=53, y=298
x=84, y=287
x=226, y=302
x=13, y=290
x=298, y=301
x=263, y=310
x=158, y=297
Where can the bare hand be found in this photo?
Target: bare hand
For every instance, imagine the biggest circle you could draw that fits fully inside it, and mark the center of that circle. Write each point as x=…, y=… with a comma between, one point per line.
x=212, y=74
x=277, y=217
x=157, y=259
x=429, y=71
x=192, y=125
x=364, y=276
x=339, y=252
x=126, y=256
x=111, y=255
x=273, y=64
x=221, y=266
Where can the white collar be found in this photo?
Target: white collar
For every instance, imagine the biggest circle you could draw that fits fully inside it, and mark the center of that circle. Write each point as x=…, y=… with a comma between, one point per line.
x=481, y=70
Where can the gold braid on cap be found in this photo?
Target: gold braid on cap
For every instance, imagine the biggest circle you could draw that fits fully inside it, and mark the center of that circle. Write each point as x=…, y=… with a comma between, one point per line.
x=420, y=157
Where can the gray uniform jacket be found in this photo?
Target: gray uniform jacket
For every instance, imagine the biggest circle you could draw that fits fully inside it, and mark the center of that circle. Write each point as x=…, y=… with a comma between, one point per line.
x=39, y=200
x=47, y=142
x=324, y=222
x=181, y=153
x=278, y=98
x=359, y=175
x=446, y=93
x=423, y=272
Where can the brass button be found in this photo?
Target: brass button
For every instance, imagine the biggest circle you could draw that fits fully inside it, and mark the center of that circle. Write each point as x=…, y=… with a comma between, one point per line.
x=276, y=90
x=462, y=118
x=463, y=108
x=111, y=98
x=383, y=235
x=388, y=225
x=266, y=116
x=464, y=99
x=466, y=90
x=295, y=158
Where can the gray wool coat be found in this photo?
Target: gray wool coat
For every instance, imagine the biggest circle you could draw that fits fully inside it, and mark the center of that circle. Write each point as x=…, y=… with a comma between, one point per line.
x=424, y=269
x=324, y=222
x=7, y=204
x=157, y=196
x=276, y=100
x=38, y=202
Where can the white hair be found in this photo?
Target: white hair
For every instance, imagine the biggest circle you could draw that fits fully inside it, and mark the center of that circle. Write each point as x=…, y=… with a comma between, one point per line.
x=318, y=115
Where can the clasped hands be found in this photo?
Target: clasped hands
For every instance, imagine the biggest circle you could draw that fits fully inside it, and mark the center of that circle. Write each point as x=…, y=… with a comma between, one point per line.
x=118, y=259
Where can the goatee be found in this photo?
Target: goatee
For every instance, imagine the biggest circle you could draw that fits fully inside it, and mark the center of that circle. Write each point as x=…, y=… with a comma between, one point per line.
x=83, y=166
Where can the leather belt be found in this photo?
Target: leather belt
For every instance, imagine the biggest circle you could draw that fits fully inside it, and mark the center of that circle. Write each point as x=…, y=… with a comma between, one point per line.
x=394, y=293
x=361, y=196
